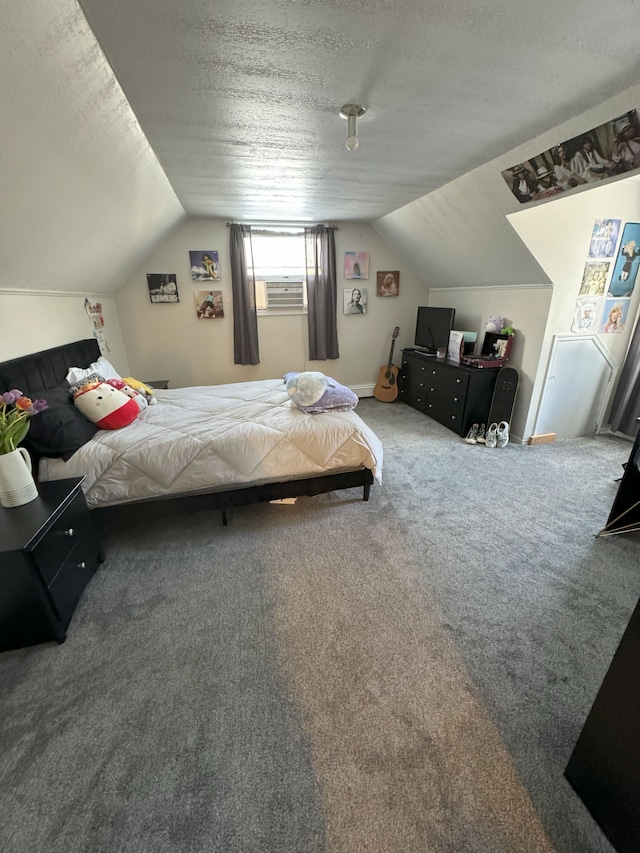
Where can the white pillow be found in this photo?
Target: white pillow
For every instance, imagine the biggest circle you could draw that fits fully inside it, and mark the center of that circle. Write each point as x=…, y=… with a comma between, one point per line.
x=103, y=367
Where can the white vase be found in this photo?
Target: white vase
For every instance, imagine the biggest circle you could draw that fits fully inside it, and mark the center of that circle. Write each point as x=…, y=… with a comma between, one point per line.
x=17, y=485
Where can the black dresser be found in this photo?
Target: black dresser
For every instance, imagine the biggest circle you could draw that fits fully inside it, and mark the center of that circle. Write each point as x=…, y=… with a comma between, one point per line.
x=49, y=550
x=452, y=394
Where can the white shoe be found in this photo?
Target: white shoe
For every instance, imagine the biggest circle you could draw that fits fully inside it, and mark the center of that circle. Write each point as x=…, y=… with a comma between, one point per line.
x=502, y=438
x=472, y=435
x=492, y=436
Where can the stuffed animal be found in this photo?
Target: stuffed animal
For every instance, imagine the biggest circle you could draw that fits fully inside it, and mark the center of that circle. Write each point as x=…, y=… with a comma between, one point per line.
x=123, y=386
x=306, y=388
x=105, y=406
x=495, y=324
x=141, y=388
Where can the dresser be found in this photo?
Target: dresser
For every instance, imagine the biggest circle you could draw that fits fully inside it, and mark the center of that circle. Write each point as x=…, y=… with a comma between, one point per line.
x=49, y=550
x=455, y=395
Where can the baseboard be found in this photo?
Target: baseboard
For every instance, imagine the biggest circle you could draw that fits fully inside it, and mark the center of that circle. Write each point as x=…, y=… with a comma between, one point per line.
x=543, y=438
x=363, y=390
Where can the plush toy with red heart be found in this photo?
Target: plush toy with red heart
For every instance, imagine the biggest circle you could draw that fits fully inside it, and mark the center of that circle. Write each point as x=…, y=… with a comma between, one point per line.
x=105, y=406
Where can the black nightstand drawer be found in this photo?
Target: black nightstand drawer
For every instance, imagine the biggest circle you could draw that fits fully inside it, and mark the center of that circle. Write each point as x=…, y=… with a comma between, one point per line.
x=75, y=574
x=54, y=548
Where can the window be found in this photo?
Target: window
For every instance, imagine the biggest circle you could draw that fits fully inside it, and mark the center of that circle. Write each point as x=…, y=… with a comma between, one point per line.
x=280, y=269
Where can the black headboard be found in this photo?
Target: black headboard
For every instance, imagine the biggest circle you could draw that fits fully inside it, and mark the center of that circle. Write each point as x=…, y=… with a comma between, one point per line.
x=47, y=368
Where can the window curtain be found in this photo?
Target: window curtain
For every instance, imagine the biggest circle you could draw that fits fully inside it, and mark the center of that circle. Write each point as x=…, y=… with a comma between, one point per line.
x=626, y=403
x=243, y=287
x=322, y=292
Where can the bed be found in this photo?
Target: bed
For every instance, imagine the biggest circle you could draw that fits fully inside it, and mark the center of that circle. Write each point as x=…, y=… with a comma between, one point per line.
x=219, y=446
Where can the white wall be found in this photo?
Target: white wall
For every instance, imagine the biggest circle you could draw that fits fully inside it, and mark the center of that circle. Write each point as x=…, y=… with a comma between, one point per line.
x=558, y=234
x=33, y=322
x=459, y=236
x=168, y=341
x=84, y=197
x=527, y=309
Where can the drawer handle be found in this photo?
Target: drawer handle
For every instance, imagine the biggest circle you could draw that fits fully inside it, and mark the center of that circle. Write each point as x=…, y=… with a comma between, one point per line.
x=456, y=399
x=82, y=565
x=69, y=532
x=458, y=381
x=433, y=372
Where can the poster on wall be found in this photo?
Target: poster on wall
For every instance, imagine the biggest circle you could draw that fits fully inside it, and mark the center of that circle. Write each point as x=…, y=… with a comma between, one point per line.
x=594, y=278
x=596, y=155
x=388, y=283
x=586, y=316
x=625, y=269
x=356, y=264
x=614, y=316
x=209, y=304
x=163, y=287
x=355, y=300
x=96, y=318
x=604, y=238
x=204, y=266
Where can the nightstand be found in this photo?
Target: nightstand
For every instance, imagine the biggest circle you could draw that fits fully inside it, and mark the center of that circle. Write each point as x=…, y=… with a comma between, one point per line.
x=49, y=550
x=157, y=383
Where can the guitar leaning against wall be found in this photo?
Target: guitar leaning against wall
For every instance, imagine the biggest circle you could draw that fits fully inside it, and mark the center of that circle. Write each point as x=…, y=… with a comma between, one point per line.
x=386, y=389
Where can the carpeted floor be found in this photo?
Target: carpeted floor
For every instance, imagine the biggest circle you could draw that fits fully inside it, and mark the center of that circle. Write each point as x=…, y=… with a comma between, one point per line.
x=404, y=676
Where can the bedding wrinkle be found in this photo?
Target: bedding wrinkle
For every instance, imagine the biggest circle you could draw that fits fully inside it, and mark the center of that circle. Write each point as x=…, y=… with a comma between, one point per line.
x=216, y=438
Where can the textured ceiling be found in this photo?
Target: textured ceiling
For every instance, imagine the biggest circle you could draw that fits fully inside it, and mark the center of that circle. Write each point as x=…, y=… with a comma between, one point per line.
x=240, y=99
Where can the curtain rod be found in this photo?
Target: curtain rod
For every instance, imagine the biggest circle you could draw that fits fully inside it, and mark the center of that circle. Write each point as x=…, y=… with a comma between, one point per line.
x=279, y=225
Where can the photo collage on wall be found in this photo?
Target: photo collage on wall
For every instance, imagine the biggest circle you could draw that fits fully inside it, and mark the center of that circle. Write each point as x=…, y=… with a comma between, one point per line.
x=608, y=279
x=356, y=266
x=205, y=266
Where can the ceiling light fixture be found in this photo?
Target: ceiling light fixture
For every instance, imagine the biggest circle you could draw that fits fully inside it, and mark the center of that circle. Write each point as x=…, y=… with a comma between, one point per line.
x=352, y=112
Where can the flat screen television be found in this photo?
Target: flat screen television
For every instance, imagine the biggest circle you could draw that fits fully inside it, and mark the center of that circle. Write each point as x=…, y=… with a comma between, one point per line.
x=432, y=328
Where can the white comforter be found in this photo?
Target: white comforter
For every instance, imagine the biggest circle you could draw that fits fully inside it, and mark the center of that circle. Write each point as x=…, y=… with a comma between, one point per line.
x=216, y=438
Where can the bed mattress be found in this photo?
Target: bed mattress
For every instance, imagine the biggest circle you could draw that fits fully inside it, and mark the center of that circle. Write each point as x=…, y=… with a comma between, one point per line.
x=215, y=438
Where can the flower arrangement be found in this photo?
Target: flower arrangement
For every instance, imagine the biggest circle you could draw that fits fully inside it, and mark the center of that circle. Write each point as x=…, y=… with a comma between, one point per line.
x=15, y=412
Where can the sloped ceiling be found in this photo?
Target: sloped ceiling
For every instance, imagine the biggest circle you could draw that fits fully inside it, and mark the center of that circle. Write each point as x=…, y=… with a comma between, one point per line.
x=122, y=123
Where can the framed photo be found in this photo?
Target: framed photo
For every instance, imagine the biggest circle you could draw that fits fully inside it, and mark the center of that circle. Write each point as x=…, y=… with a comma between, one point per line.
x=209, y=304
x=388, y=283
x=594, y=278
x=163, y=287
x=604, y=238
x=625, y=270
x=204, y=266
x=355, y=300
x=356, y=264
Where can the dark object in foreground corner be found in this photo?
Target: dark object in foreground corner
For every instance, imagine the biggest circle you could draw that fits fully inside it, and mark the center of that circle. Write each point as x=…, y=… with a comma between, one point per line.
x=604, y=769
x=625, y=512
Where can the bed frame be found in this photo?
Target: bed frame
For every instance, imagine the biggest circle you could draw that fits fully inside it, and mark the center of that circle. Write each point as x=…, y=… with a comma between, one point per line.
x=48, y=369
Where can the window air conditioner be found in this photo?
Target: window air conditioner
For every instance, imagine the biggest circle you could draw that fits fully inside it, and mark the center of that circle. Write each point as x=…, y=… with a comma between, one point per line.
x=284, y=292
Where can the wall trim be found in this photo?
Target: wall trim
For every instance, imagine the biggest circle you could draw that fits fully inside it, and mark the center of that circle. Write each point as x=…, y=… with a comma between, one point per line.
x=15, y=292
x=363, y=390
x=463, y=289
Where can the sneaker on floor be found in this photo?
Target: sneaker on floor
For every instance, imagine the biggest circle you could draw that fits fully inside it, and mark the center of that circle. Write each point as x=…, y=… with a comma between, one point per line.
x=482, y=434
x=472, y=435
x=502, y=438
x=492, y=436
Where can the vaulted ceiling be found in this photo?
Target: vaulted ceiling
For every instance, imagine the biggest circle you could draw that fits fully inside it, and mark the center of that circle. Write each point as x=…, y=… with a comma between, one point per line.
x=122, y=118
x=240, y=99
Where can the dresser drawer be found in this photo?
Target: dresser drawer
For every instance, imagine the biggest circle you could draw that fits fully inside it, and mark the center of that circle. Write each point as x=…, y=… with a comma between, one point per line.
x=75, y=574
x=448, y=415
x=416, y=397
x=54, y=548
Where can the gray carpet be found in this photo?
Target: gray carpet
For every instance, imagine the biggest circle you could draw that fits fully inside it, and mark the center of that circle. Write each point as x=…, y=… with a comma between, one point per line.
x=404, y=676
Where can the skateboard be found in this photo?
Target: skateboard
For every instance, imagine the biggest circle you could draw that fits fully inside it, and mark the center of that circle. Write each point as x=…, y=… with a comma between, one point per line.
x=504, y=395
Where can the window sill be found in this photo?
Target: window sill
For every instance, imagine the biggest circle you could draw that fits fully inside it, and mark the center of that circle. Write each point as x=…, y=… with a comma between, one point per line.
x=277, y=312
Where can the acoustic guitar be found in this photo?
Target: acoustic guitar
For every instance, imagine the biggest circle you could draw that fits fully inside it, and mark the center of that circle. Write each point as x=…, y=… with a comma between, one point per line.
x=386, y=389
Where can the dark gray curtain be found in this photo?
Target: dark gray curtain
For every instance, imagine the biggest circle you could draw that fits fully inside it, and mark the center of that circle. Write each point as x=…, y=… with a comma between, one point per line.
x=243, y=286
x=322, y=292
x=626, y=403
